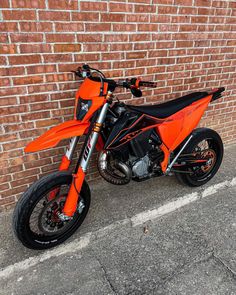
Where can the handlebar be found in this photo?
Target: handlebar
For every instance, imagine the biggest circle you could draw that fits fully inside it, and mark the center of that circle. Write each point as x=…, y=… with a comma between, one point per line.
x=133, y=84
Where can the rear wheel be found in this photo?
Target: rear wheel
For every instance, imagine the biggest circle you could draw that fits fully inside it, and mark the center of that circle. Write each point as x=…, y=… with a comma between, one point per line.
x=35, y=218
x=208, y=144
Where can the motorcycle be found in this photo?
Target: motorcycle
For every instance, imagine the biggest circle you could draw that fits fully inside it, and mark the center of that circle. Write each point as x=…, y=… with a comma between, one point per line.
x=134, y=143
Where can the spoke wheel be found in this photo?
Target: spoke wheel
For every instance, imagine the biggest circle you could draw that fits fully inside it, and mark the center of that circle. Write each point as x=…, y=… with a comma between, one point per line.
x=36, y=219
x=208, y=144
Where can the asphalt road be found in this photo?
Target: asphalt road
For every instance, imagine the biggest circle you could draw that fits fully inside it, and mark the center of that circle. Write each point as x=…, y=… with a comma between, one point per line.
x=155, y=237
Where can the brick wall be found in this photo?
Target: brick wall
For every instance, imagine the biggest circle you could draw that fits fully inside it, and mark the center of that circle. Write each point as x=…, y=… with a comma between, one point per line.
x=185, y=45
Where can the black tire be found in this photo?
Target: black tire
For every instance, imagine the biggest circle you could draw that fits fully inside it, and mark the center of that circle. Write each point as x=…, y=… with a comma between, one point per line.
x=215, y=143
x=32, y=197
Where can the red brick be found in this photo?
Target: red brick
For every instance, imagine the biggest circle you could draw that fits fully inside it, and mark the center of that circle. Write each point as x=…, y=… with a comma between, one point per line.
x=23, y=174
x=41, y=88
x=13, y=110
x=93, y=6
x=18, y=127
x=136, y=55
x=101, y=27
x=22, y=181
x=3, y=38
x=4, y=82
x=95, y=47
x=36, y=27
x=113, y=17
x=201, y=3
x=8, y=27
x=120, y=7
x=28, y=4
x=144, y=9
x=26, y=38
x=19, y=15
x=116, y=38
x=28, y=80
x=3, y=60
x=167, y=10
x=140, y=37
x=69, y=27
x=28, y=59
x=8, y=137
x=59, y=38
x=85, y=16
x=183, y=2
x=89, y=38
x=121, y=46
x=160, y=19
x=41, y=69
x=124, y=27
x=137, y=18
x=35, y=48
x=67, y=47
x=86, y=57
x=35, y=116
x=12, y=91
x=188, y=10
x=147, y=27
x=8, y=101
x=56, y=58
x=111, y=56
x=46, y=123
x=63, y=5
x=7, y=49
x=54, y=15
x=5, y=4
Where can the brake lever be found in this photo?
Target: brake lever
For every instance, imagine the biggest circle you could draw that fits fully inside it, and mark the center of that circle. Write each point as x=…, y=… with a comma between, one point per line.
x=136, y=92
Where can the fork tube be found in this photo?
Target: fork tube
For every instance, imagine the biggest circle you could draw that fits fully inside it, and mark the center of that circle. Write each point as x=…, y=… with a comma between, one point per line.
x=78, y=178
x=66, y=159
x=93, y=138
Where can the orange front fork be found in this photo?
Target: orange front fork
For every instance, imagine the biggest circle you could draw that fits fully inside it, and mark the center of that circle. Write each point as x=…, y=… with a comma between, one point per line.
x=78, y=178
x=73, y=194
x=65, y=164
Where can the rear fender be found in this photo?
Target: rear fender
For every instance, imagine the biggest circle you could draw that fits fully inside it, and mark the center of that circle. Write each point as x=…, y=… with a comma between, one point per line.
x=54, y=135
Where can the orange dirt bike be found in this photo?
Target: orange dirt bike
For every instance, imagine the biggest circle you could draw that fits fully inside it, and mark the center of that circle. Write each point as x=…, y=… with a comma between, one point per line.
x=134, y=143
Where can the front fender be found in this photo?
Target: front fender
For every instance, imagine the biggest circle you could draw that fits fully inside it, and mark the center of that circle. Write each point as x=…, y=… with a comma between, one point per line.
x=51, y=138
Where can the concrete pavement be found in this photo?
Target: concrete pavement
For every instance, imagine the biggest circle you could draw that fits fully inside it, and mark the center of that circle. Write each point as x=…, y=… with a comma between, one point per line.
x=189, y=250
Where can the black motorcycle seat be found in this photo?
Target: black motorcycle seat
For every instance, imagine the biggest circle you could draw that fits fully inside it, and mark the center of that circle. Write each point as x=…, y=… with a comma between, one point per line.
x=168, y=108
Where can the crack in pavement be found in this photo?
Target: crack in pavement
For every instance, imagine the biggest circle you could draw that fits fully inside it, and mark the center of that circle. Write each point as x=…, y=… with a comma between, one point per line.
x=208, y=256
x=106, y=275
x=223, y=263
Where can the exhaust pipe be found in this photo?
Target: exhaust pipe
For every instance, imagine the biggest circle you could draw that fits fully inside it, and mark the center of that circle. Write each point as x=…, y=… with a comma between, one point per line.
x=107, y=172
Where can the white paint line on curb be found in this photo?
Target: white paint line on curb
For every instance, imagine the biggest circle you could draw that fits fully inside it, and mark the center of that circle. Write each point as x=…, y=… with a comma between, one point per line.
x=71, y=247
x=137, y=219
x=149, y=215
x=142, y=217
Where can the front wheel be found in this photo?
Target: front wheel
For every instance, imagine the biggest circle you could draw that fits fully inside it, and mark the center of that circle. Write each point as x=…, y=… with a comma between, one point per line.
x=35, y=218
x=207, y=143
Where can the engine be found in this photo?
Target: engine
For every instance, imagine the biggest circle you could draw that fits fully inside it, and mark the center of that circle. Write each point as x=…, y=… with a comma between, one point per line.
x=138, y=161
x=140, y=167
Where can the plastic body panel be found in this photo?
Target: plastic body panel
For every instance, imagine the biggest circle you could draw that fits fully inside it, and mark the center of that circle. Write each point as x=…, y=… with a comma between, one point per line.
x=54, y=135
x=174, y=129
x=88, y=90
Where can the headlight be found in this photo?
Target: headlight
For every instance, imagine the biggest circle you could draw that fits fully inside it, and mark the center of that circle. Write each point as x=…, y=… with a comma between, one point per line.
x=82, y=108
